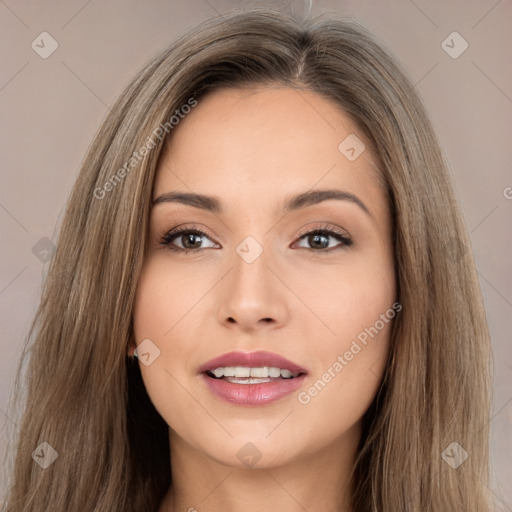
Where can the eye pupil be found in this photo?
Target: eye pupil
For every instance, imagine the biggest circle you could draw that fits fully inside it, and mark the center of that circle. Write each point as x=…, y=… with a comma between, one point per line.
x=190, y=239
x=315, y=239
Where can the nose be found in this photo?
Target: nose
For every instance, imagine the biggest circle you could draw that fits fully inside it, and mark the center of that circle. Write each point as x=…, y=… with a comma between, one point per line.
x=252, y=296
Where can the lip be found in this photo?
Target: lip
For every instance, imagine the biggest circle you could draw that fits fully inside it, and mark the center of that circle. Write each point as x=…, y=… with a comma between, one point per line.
x=252, y=360
x=252, y=394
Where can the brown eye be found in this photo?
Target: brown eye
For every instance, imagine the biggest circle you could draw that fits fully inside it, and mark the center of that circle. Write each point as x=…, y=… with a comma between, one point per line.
x=185, y=239
x=320, y=240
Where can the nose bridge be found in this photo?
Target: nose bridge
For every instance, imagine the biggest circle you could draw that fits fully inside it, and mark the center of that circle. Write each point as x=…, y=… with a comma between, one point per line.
x=253, y=251
x=250, y=277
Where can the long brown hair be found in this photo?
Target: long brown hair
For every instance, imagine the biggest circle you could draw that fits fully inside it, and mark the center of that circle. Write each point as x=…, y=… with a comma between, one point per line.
x=85, y=397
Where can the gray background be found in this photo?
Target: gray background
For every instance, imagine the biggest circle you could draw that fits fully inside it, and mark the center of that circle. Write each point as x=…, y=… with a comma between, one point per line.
x=51, y=108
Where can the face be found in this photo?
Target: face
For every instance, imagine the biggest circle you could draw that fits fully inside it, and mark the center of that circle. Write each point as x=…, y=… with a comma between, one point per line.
x=311, y=281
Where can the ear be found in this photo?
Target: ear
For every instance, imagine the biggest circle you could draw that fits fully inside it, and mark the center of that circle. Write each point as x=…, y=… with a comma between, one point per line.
x=131, y=347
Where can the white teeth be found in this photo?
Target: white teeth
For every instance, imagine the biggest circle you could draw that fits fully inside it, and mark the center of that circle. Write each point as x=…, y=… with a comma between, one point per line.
x=259, y=373
x=274, y=372
x=229, y=371
x=218, y=372
x=243, y=371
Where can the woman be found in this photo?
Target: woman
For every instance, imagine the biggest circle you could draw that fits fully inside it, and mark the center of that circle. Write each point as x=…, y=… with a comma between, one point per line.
x=263, y=295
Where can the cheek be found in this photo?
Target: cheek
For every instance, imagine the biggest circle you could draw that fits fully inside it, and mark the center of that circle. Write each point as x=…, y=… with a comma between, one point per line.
x=348, y=297
x=355, y=309
x=163, y=298
x=158, y=310
x=162, y=301
x=164, y=307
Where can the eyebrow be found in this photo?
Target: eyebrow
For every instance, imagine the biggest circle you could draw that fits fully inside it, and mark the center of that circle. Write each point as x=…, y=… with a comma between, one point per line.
x=296, y=202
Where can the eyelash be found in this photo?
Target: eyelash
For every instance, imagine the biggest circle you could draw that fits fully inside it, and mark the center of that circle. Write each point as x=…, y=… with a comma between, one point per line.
x=341, y=236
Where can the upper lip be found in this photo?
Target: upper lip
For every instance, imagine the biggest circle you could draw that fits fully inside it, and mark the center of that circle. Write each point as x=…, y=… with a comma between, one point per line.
x=252, y=360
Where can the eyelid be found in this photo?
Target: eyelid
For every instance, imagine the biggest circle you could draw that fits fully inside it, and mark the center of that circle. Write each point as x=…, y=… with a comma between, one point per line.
x=324, y=227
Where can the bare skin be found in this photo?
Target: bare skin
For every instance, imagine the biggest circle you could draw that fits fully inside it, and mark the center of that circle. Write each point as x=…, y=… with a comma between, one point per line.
x=253, y=150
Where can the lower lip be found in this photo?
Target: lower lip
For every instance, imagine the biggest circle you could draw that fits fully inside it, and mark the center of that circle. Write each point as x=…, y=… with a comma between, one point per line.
x=253, y=394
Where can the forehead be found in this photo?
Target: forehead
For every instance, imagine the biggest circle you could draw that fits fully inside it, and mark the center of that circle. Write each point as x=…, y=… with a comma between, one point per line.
x=262, y=143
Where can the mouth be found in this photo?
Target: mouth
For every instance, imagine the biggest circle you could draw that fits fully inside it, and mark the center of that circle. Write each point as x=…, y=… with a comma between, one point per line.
x=253, y=378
